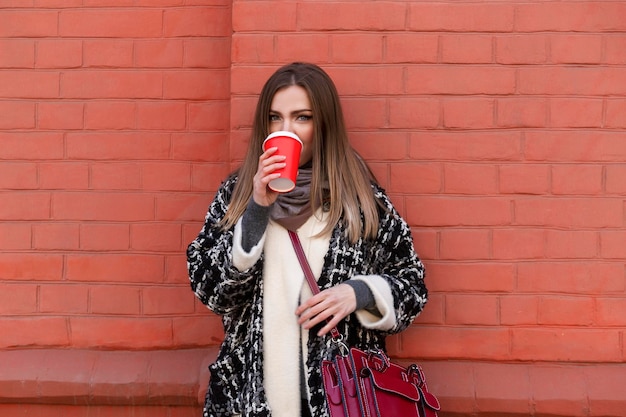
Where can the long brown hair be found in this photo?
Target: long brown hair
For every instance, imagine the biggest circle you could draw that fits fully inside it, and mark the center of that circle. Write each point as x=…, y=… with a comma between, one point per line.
x=334, y=161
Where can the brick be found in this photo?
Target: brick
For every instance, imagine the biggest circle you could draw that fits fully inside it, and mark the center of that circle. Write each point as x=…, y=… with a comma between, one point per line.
x=412, y=113
x=108, y=23
x=31, y=146
x=112, y=84
x=524, y=178
x=118, y=146
x=259, y=48
x=28, y=24
x=167, y=53
x=460, y=79
x=15, y=236
x=569, y=212
x=155, y=237
x=299, y=47
x=577, y=179
x=575, y=112
x=615, y=113
x=566, y=344
x=380, y=145
x=565, y=311
x=33, y=331
x=107, y=53
x=166, y=176
x=455, y=342
x=176, y=269
x=411, y=48
x=133, y=268
x=604, y=384
x=58, y=298
x=206, y=177
x=612, y=244
x=491, y=17
x=570, y=277
x=465, y=244
x=426, y=243
x=30, y=266
x=116, y=176
x=105, y=236
x=503, y=387
x=571, y=399
x=242, y=111
x=470, y=179
x=63, y=176
x=169, y=300
x=102, y=206
x=196, y=85
x=615, y=49
x=18, y=299
x=135, y=333
x=415, y=178
x=253, y=16
x=451, y=211
x=380, y=80
x=610, y=311
x=162, y=115
x=357, y=48
x=209, y=116
x=468, y=113
x=60, y=115
x=468, y=146
x=201, y=147
x=57, y=3
x=55, y=236
x=383, y=16
x=470, y=49
x=59, y=54
x=519, y=244
x=18, y=176
x=249, y=80
x=207, y=52
x=435, y=313
x=582, y=16
x=106, y=115
x=567, y=244
x=615, y=175
x=182, y=207
x=574, y=146
x=24, y=206
x=29, y=84
x=571, y=80
x=198, y=21
x=575, y=49
x=472, y=310
x=521, y=49
x=464, y=277
x=519, y=310
x=521, y=112
x=17, y=115
x=197, y=331
x=354, y=109
x=17, y=53
x=114, y=299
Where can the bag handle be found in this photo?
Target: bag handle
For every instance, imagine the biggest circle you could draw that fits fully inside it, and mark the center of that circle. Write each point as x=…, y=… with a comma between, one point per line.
x=308, y=274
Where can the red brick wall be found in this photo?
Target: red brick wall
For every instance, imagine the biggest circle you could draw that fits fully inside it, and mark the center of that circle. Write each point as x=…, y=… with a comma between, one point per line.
x=497, y=127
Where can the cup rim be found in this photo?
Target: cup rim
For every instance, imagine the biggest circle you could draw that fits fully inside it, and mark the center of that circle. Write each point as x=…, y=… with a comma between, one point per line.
x=282, y=133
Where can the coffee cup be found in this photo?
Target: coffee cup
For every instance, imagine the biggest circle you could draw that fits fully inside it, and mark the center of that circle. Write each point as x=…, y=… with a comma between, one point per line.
x=290, y=145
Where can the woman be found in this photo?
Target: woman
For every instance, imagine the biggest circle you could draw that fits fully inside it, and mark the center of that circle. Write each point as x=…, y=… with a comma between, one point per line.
x=243, y=267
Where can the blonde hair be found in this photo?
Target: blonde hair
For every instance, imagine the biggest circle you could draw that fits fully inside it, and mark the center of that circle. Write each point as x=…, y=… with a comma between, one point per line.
x=334, y=161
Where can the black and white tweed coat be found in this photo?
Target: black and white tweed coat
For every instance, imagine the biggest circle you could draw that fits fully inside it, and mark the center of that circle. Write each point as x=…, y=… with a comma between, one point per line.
x=236, y=385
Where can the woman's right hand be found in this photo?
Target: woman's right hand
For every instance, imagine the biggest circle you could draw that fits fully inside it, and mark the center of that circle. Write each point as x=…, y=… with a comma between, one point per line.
x=268, y=163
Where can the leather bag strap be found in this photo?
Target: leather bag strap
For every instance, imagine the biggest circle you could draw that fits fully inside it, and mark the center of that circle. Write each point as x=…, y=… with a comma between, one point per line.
x=308, y=273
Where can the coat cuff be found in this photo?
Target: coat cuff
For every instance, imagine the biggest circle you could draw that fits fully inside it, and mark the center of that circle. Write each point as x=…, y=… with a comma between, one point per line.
x=384, y=303
x=243, y=260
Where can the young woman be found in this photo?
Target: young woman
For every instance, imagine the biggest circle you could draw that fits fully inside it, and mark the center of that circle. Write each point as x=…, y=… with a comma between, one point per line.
x=244, y=268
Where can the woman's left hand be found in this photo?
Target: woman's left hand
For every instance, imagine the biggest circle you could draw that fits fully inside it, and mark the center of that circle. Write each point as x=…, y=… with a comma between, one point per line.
x=334, y=304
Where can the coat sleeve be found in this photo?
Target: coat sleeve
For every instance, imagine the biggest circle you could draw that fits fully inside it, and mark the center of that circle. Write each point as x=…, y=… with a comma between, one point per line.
x=214, y=279
x=397, y=262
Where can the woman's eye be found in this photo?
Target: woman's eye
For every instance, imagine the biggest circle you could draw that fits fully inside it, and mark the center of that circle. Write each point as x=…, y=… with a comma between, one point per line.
x=304, y=117
x=274, y=118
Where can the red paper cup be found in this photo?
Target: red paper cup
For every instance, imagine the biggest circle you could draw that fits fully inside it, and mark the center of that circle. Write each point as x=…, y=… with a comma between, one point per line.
x=290, y=145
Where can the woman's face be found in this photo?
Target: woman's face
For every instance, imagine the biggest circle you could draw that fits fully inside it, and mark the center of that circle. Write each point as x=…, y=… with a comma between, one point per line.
x=291, y=111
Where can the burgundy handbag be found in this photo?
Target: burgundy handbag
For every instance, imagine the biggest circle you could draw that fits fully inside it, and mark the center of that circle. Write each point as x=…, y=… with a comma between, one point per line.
x=366, y=383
